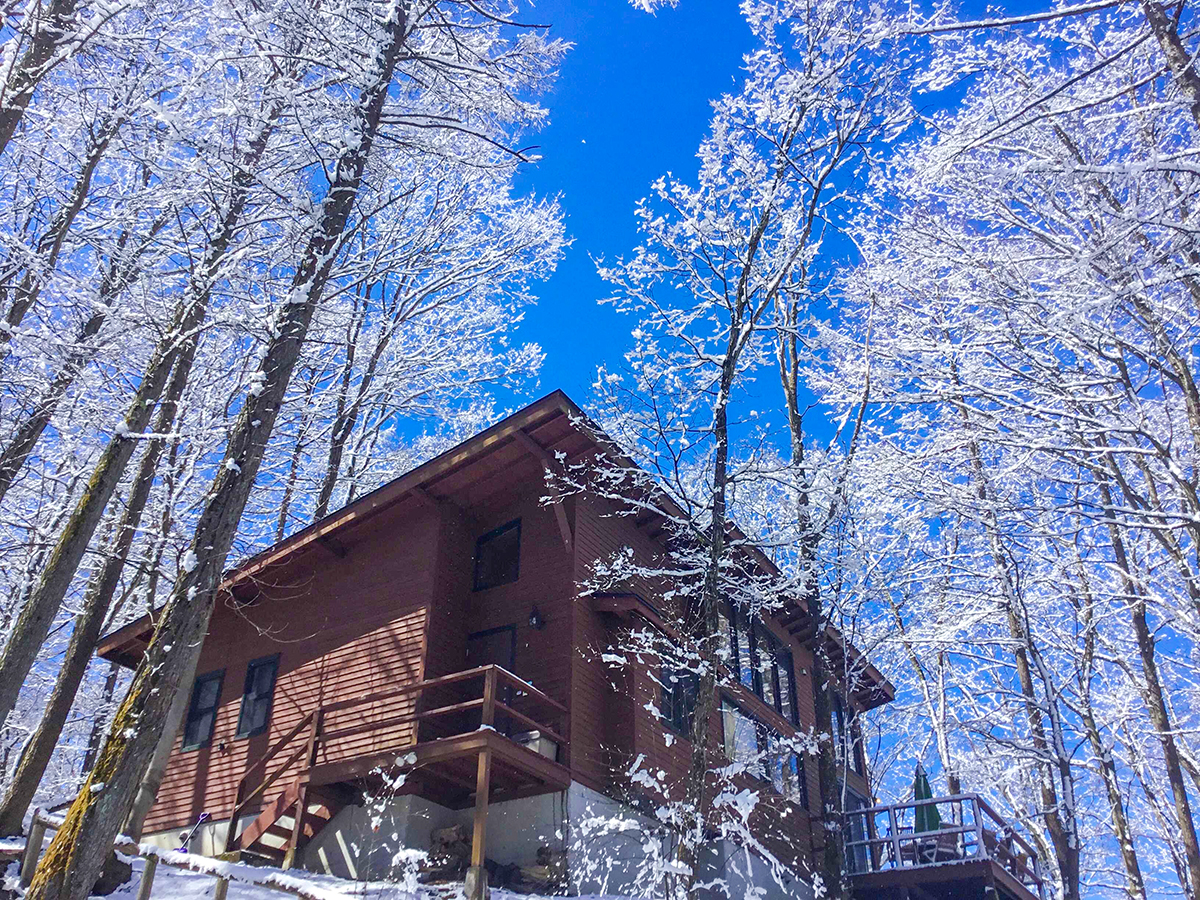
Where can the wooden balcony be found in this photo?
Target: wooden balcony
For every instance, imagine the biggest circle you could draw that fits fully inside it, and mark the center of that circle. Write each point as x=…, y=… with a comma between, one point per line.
x=461, y=739
x=973, y=851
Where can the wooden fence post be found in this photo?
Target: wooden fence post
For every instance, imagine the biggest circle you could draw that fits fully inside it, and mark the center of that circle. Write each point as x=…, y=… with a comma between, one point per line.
x=489, y=697
x=147, y=878
x=33, y=847
x=222, y=889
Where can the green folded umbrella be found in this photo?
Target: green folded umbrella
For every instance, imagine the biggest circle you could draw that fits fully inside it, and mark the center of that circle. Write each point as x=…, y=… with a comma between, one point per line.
x=927, y=817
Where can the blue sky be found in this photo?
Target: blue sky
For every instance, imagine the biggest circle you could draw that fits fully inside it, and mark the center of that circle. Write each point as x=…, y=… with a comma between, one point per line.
x=631, y=103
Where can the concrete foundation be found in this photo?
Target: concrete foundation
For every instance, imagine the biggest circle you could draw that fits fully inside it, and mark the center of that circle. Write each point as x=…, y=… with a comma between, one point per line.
x=604, y=841
x=362, y=843
x=208, y=840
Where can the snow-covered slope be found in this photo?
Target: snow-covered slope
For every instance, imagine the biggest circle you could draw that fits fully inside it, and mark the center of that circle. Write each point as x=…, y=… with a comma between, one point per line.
x=175, y=884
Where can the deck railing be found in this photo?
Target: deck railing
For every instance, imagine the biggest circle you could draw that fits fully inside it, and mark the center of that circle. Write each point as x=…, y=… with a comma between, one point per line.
x=455, y=704
x=884, y=838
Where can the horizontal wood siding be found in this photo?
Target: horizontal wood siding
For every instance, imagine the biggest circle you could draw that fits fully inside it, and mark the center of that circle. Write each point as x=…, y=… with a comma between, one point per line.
x=343, y=627
x=544, y=580
x=601, y=696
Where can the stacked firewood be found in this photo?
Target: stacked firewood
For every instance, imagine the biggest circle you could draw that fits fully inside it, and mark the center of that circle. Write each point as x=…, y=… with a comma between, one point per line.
x=450, y=855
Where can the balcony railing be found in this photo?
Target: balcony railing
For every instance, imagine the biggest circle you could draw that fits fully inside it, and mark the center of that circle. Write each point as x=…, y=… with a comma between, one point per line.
x=884, y=839
x=408, y=716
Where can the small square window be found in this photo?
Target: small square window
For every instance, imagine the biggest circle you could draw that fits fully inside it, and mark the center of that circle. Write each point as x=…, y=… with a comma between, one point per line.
x=257, y=696
x=202, y=711
x=498, y=556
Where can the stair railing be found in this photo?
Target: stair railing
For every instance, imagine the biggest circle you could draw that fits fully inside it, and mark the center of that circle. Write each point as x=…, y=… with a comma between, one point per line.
x=315, y=723
x=246, y=796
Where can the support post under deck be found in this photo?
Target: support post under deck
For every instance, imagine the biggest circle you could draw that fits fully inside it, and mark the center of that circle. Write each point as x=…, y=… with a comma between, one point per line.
x=477, y=877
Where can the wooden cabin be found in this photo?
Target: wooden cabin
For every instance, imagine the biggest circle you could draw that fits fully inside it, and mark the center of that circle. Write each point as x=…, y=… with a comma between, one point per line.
x=424, y=658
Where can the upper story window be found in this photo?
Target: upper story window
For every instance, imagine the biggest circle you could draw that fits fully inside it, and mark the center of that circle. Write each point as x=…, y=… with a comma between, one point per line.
x=498, y=556
x=679, y=690
x=257, y=696
x=762, y=662
x=762, y=751
x=202, y=711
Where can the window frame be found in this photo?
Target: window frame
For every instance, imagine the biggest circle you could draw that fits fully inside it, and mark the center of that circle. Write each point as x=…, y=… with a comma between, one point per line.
x=764, y=769
x=678, y=691
x=476, y=587
x=849, y=736
x=248, y=684
x=217, y=675
x=756, y=633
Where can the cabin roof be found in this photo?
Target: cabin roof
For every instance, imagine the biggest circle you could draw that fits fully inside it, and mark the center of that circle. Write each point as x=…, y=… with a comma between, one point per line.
x=464, y=476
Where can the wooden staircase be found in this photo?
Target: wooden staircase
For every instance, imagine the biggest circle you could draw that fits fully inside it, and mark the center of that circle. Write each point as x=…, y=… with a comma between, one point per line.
x=289, y=822
x=318, y=787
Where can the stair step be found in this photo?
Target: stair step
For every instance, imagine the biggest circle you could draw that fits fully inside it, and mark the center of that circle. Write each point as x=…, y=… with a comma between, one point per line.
x=261, y=856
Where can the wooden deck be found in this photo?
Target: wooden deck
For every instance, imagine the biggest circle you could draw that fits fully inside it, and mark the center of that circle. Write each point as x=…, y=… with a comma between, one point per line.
x=973, y=853
x=463, y=747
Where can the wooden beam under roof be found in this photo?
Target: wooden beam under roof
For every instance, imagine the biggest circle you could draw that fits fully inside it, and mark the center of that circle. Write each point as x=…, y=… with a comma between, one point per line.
x=550, y=464
x=428, y=500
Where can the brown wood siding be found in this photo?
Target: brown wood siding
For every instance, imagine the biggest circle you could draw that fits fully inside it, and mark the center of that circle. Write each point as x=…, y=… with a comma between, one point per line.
x=543, y=658
x=343, y=627
x=447, y=640
x=390, y=601
x=608, y=725
x=596, y=702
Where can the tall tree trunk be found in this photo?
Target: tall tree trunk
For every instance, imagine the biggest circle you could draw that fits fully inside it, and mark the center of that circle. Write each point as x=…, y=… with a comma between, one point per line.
x=52, y=29
x=289, y=485
x=39, y=611
x=1179, y=60
x=933, y=695
x=1152, y=691
x=1135, y=885
x=156, y=769
x=77, y=853
x=829, y=782
x=90, y=621
x=29, y=432
x=1059, y=814
x=35, y=619
x=704, y=622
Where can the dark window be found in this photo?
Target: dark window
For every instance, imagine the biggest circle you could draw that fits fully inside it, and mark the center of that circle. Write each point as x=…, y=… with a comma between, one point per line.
x=679, y=689
x=498, y=556
x=786, y=673
x=256, y=698
x=739, y=639
x=766, y=680
x=202, y=713
x=742, y=739
x=762, y=662
x=763, y=753
x=787, y=773
x=860, y=750
x=856, y=833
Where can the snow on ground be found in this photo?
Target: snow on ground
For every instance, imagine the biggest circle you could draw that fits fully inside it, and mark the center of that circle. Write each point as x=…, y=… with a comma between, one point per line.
x=175, y=884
